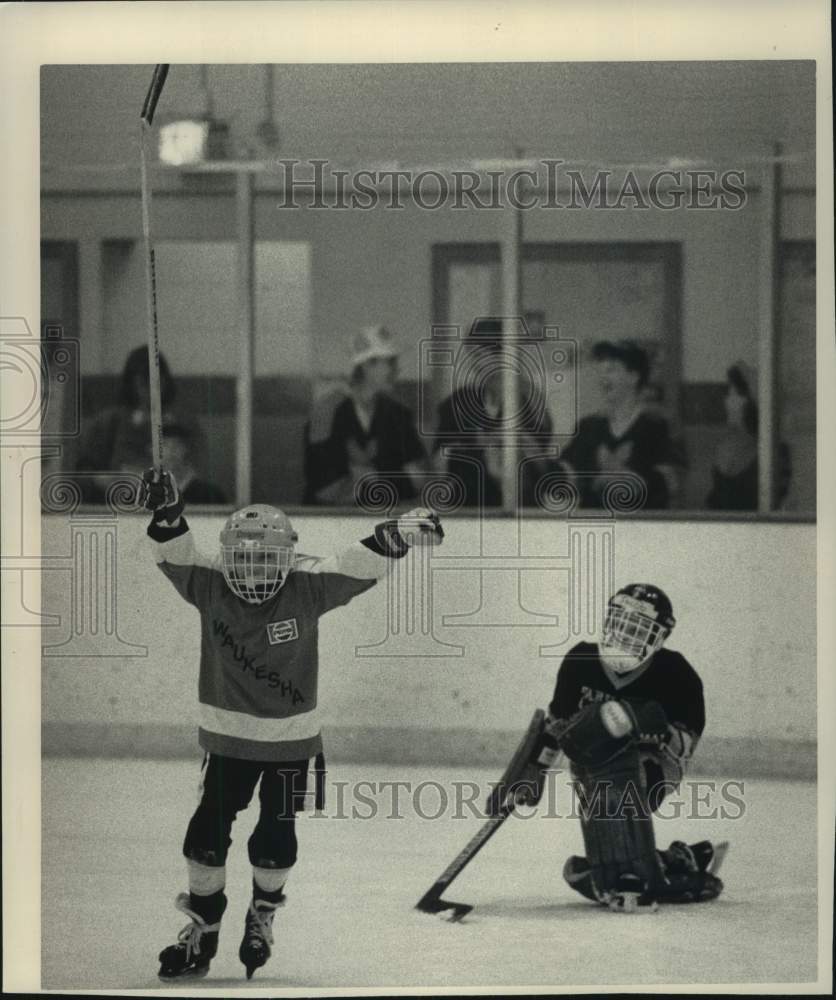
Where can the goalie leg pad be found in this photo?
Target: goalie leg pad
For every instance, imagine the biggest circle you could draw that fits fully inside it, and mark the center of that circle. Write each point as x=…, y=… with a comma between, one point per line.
x=578, y=876
x=617, y=825
x=684, y=882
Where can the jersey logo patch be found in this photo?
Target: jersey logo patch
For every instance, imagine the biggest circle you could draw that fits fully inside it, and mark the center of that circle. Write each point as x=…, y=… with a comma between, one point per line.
x=285, y=631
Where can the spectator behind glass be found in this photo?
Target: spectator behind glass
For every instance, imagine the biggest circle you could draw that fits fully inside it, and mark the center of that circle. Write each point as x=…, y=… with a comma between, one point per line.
x=471, y=431
x=363, y=429
x=118, y=439
x=627, y=435
x=734, y=472
x=179, y=459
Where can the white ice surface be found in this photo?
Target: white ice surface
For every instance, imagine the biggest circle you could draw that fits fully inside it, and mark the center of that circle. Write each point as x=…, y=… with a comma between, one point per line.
x=111, y=866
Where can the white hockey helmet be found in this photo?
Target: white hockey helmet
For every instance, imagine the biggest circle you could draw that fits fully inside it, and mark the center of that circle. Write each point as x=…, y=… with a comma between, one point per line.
x=638, y=621
x=257, y=552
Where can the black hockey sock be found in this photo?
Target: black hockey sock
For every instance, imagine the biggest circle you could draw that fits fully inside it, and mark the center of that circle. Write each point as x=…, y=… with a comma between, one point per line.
x=266, y=895
x=210, y=908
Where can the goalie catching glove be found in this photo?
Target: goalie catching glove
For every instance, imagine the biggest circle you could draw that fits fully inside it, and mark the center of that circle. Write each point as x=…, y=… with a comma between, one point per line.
x=600, y=732
x=158, y=493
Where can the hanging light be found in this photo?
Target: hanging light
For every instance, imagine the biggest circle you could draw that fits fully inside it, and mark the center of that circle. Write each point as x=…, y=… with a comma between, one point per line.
x=194, y=138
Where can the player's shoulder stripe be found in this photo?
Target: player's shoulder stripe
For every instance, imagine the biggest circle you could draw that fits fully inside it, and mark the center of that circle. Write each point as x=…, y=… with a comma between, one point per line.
x=181, y=551
x=306, y=563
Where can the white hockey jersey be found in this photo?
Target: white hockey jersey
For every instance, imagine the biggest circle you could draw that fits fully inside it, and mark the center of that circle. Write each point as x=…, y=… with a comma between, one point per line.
x=259, y=663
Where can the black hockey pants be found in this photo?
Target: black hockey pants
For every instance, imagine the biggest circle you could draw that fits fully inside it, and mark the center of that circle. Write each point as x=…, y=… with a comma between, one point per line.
x=227, y=787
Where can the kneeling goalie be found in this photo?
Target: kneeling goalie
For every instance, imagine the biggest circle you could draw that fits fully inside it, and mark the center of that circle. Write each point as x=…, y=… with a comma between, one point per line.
x=259, y=606
x=628, y=714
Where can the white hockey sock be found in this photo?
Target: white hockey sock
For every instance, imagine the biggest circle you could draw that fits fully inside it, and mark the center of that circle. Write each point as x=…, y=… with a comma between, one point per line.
x=203, y=880
x=270, y=879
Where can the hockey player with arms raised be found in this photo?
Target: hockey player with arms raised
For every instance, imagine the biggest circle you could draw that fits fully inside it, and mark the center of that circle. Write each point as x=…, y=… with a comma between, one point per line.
x=259, y=606
x=628, y=713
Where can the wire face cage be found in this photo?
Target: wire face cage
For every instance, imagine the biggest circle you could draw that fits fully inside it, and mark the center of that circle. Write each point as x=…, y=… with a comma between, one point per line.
x=632, y=633
x=255, y=572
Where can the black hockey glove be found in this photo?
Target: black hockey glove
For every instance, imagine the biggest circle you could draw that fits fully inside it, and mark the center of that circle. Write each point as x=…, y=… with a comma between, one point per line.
x=159, y=494
x=418, y=527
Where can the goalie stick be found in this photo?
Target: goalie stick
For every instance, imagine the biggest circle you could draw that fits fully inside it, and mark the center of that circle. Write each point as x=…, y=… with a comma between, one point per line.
x=431, y=901
x=500, y=810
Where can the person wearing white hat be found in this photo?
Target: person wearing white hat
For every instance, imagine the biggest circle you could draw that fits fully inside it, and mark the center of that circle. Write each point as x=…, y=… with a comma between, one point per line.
x=361, y=430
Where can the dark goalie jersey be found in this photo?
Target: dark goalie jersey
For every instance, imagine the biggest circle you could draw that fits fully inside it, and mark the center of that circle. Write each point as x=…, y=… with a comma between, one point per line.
x=668, y=678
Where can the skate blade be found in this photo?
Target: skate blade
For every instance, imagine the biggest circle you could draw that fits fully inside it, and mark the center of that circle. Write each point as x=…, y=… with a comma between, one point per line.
x=629, y=903
x=720, y=852
x=179, y=977
x=250, y=969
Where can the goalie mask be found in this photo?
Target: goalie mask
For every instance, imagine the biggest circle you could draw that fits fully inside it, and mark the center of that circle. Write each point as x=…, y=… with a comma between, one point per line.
x=257, y=552
x=639, y=618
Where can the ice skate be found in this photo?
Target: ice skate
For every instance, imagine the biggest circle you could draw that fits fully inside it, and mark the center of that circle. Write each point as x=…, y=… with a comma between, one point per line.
x=257, y=943
x=196, y=946
x=690, y=871
x=629, y=896
x=710, y=857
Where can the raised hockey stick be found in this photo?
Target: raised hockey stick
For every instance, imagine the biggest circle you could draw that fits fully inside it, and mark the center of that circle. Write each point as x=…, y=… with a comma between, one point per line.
x=146, y=119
